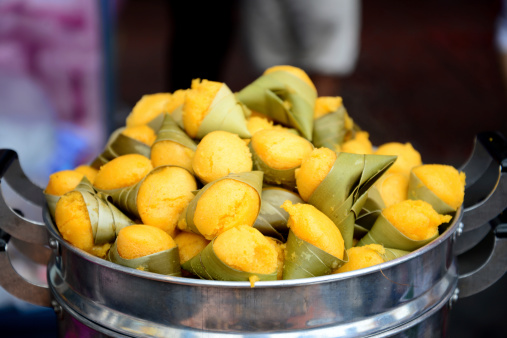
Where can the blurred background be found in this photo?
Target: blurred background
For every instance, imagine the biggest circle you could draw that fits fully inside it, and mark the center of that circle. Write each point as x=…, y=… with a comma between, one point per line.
x=429, y=72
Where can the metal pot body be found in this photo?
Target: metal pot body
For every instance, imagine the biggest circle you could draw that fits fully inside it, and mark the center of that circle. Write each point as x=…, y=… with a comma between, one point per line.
x=406, y=294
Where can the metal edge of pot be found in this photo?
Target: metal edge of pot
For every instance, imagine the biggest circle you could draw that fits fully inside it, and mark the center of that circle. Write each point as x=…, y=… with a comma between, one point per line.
x=322, y=305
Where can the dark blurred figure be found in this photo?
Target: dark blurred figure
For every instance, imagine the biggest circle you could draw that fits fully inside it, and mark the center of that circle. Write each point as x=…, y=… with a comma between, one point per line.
x=201, y=37
x=319, y=36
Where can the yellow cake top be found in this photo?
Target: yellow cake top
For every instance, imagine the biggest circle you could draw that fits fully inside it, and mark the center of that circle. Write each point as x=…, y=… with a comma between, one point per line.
x=244, y=248
x=326, y=104
x=314, y=227
x=163, y=196
x=141, y=133
x=360, y=144
x=189, y=245
x=362, y=257
x=408, y=157
x=314, y=168
x=176, y=100
x=123, y=171
x=444, y=181
x=281, y=149
x=220, y=153
x=73, y=221
x=393, y=188
x=224, y=205
x=63, y=181
x=141, y=240
x=415, y=219
x=88, y=171
x=197, y=103
x=168, y=152
x=147, y=108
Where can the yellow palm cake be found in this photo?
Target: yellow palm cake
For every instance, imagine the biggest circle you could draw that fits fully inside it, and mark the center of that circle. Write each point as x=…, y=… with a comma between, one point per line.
x=226, y=204
x=63, y=181
x=147, y=108
x=87, y=170
x=73, y=222
x=141, y=240
x=141, y=133
x=280, y=149
x=408, y=157
x=196, y=104
x=444, y=181
x=123, y=171
x=244, y=248
x=173, y=153
x=220, y=153
x=393, y=188
x=313, y=170
x=415, y=219
x=312, y=226
x=362, y=257
x=360, y=144
x=189, y=245
x=163, y=196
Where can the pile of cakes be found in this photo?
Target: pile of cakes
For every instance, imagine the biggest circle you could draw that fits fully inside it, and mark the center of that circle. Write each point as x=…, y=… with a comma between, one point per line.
x=271, y=182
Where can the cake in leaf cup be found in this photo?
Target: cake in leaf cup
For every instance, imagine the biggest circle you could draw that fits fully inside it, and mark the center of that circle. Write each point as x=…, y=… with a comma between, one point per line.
x=407, y=225
x=240, y=253
x=408, y=157
x=443, y=186
x=278, y=154
x=149, y=110
x=146, y=248
x=172, y=146
x=315, y=246
x=89, y=221
x=210, y=106
x=225, y=203
x=285, y=94
x=220, y=153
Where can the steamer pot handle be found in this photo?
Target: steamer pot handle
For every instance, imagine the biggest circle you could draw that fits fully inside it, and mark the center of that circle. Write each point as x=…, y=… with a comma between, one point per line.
x=486, y=176
x=11, y=222
x=15, y=284
x=495, y=265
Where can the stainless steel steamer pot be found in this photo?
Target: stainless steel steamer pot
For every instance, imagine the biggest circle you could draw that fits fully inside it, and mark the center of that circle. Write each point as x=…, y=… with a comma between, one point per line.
x=409, y=296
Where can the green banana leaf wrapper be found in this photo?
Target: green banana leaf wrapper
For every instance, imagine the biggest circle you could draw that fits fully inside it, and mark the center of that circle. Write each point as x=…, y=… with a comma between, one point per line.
x=283, y=97
x=207, y=265
x=305, y=260
x=329, y=130
x=272, y=219
x=391, y=254
x=165, y=262
x=118, y=145
x=252, y=178
x=344, y=191
x=225, y=113
x=386, y=234
x=171, y=131
x=51, y=200
x=418, y=191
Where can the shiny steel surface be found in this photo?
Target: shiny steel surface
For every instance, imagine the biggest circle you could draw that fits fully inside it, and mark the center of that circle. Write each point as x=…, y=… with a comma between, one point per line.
x=406, y=297
x=352, y=304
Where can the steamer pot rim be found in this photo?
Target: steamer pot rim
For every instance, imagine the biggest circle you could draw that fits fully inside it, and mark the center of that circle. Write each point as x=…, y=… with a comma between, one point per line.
x=261, y=284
